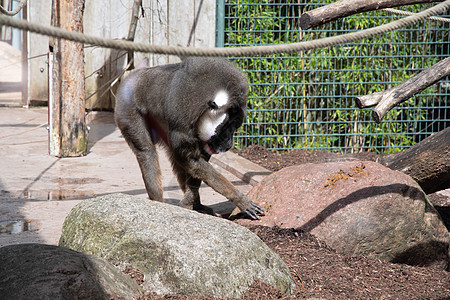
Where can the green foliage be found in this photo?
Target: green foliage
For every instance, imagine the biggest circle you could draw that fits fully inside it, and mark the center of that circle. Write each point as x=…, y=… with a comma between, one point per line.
x=307, y=99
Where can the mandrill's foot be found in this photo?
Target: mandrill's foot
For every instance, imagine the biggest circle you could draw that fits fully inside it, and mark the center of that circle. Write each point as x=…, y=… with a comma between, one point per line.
x=204, y=209
x=199, y=208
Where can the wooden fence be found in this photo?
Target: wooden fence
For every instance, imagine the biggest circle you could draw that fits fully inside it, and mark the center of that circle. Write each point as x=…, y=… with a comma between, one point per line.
x=161, y=22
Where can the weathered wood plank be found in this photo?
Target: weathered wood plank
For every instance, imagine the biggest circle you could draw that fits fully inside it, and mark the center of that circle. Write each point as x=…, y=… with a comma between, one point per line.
x=107, y=19
x=38, y=12
x=143, y=29
x=159, y=30
x=181, y=21
x=96, y=22
x=206, y=15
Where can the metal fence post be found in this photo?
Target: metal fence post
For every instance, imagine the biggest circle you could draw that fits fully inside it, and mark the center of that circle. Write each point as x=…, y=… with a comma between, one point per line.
x=220, y=23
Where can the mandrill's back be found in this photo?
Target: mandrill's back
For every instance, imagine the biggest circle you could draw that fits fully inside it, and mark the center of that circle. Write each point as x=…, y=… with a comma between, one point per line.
x=143, y=88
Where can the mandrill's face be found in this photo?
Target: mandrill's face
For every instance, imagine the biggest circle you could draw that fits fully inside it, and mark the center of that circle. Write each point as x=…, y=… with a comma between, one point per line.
x=219, y=122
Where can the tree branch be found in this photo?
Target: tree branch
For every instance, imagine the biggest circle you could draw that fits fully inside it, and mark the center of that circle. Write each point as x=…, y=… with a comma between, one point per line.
x=132, y=30
x=344, y=8
x=387, y=99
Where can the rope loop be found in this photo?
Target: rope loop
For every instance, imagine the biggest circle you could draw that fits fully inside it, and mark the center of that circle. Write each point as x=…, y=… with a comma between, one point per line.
x=229, y=51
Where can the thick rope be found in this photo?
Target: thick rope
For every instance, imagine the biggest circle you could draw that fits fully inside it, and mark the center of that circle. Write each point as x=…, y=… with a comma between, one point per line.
x=14, y=12
x=235, y=51
x=407, y=13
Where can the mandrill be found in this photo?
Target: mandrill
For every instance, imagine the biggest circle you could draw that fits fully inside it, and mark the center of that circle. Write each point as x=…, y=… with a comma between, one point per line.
x=193, y=108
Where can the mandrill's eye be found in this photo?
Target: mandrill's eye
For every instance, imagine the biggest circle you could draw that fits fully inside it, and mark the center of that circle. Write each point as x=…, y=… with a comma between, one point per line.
x=212, y=105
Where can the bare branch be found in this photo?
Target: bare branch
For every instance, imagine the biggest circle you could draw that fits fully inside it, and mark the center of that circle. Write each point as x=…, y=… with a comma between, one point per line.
x=386, y=100
x=132, y=30
x=344, y=8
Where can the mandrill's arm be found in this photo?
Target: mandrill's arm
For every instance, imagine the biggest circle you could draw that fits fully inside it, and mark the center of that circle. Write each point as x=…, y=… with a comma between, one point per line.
x=203, y=170
x=187, y=154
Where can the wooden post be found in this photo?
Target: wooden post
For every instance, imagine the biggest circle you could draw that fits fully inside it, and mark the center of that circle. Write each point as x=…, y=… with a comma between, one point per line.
x=68, y=130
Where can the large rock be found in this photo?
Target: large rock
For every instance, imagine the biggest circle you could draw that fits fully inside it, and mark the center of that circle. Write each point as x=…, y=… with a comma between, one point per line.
x=178, y=250
x=37, y=271
x=356, y=208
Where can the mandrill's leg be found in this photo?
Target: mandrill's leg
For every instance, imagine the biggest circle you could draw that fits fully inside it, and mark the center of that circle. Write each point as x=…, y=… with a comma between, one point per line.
x=135, y=133
x=190, y=186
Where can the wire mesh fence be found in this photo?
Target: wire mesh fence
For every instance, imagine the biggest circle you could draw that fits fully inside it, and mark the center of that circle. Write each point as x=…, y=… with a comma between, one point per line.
x=306, y=100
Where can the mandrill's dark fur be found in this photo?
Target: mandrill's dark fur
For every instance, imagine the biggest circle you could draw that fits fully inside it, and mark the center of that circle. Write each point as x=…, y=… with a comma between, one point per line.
x=193, y=108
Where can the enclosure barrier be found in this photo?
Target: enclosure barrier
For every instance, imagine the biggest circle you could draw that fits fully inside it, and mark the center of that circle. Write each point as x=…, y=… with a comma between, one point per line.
x=307, y=100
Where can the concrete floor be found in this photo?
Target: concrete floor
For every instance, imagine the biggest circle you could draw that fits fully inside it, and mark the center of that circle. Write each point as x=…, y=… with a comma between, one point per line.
x=41, y=189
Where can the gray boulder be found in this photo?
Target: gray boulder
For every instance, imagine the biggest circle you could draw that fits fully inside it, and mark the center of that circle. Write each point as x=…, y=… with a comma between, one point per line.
x=178, y=250
x=37, y=271
x=358, y=208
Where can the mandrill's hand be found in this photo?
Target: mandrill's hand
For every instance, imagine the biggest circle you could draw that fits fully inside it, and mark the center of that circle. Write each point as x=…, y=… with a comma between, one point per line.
x=247, y=208
x=254, y=211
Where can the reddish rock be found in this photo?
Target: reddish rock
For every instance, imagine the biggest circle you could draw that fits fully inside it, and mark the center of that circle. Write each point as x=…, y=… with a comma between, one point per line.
x=356, y=207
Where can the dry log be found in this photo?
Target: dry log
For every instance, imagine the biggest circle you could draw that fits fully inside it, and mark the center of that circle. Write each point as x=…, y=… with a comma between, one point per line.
x=427, y=162
x=386, y=100
x=344, y=8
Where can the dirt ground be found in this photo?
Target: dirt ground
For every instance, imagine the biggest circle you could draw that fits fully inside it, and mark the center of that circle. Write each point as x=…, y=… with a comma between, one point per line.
x=322, y=273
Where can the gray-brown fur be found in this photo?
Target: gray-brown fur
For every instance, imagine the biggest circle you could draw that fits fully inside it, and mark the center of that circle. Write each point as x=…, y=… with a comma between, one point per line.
x=178, y=105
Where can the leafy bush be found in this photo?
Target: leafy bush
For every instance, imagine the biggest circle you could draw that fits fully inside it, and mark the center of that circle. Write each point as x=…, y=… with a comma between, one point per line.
x=306, y=99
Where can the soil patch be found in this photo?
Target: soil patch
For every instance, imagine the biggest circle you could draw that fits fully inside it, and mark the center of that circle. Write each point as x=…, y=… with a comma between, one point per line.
x=318, y=270
x=274, y=161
